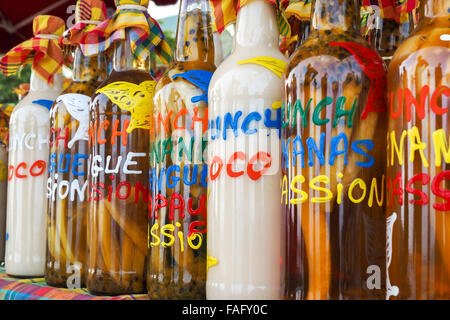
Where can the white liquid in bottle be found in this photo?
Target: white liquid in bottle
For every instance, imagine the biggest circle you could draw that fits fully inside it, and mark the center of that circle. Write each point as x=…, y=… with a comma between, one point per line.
x=3, y=187
x=27, y=186
x=244, y=213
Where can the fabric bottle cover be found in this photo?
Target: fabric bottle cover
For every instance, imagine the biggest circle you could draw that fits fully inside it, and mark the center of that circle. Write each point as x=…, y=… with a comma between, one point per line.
x=145, y=33
x=225, y=13
x=300, y=9
x=88, y=14
x=43, y=50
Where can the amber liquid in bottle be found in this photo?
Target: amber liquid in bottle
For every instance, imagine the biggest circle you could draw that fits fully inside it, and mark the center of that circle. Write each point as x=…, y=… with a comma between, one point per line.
x=177, y=248
x=418, y=172
x=333, y=161
x=68, y=199
x=118, y=183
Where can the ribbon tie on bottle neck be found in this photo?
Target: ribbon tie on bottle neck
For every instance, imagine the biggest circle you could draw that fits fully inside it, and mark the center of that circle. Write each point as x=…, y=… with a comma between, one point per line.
x=131, y=16
x=43, y=50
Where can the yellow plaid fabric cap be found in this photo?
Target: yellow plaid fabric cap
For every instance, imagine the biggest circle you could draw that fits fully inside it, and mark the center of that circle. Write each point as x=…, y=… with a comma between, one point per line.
x=43, y=52
x=300, y=9
x=145, y=33
x=225, y=13
x=86, y=11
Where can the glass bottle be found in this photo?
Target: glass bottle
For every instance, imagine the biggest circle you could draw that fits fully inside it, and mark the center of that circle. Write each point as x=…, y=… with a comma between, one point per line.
x=244, y=171
x=418, y=172
x=177, y=248
x=27, y=179
x=385, y=35
x=333, y=120
x=120, y=119
x=3, y=189
x=68, y=169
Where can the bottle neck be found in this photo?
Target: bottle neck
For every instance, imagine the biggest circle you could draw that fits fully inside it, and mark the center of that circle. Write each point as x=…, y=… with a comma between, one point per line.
x=89, y=68
x=434, y=8
x=124, y=60
x=39, y=84
x=195, y=41
x=336, y=14
x=257, y=25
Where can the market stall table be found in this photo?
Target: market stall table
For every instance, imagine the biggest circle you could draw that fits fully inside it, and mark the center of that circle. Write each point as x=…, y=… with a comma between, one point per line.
x=37, y=289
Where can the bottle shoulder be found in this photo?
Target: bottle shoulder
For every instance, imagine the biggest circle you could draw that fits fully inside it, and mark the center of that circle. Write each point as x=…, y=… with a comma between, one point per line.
x=325, y=47
x=29, y=101
x=429, y=44
x=240, y=69
x=86, y=88
x=194, y=72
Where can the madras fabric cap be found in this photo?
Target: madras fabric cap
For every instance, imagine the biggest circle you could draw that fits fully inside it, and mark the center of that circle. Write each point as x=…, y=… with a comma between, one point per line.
x=225, y=13
x=86, y=10
x=144, y=32
x=45, y=54
x=300, y=9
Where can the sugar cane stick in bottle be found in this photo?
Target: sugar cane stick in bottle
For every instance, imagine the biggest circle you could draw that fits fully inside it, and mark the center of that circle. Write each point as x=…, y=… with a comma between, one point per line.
x=177, y=248
x=119, y=142
x=332, y=161
x=243, y=162
x=418, y=170
x=29, y=147
x=69, y=153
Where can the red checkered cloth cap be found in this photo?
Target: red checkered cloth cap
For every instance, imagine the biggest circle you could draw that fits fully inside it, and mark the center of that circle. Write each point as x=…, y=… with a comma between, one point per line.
x=88, y=14
x=43, y=50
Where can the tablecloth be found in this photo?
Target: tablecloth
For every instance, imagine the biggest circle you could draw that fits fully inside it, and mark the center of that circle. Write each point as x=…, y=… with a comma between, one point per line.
x=37, y=289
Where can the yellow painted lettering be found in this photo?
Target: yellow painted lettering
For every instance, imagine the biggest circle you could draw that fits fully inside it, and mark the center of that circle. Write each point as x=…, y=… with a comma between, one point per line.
x=397, y=149
x=313, y=186
x=191, y=239
x=304, y=195
x=417, y=145
x=171, y=228
x=284, y=190
x=441, y=146
x=154, y=235
x=374, y=190
x=362, y=186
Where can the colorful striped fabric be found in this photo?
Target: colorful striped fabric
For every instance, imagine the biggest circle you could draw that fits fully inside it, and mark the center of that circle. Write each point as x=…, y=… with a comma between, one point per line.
x=301, y=9
x=225, y=13
x=86, y=10
x=145, y=33
x=42, y=50
x=393, y=9
x=37, y=289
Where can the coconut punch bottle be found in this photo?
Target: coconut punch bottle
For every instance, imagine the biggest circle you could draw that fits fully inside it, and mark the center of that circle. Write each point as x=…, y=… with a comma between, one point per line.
x=243, y=160
x=333, y=161
x=29, y=147
x=68, y=184
x=177, y=248
x=119, y=142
